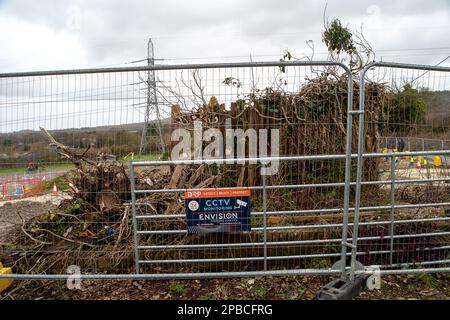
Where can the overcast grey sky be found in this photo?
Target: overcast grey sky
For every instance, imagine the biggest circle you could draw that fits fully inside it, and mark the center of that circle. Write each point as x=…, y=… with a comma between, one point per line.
x=54, y=34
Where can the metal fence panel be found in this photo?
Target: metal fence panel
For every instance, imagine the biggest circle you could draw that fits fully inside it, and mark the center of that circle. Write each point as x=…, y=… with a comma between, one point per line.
x=278, y=239
x=101, y=111
x=415, y=118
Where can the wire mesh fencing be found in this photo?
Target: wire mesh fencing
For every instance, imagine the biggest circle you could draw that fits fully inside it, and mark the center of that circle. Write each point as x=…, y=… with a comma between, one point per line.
x=112, y=195
x=71, y=131
x=285, y=231
x=283, y=235
x=414, y=167
x=77, y=130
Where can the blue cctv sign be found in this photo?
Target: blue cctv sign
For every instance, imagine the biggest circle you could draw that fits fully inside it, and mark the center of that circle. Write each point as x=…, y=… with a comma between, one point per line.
x=218, y=210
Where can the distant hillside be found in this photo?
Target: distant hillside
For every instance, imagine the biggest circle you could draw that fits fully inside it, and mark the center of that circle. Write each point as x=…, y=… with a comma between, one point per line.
x=438, y=113
x=438, y=101
x=28, y=145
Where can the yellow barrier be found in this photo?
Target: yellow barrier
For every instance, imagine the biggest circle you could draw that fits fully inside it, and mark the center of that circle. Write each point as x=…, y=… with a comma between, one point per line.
x=4, y=283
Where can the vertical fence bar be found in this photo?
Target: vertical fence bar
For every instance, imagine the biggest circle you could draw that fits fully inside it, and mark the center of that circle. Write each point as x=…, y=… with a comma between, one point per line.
x=133, y=209
x=445, y=164
x=362, y=92
x=392, y=201
x=265, y=218
x=348, y=169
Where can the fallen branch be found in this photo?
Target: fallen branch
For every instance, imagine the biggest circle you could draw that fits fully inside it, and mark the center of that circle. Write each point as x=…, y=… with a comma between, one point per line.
x=22, y=227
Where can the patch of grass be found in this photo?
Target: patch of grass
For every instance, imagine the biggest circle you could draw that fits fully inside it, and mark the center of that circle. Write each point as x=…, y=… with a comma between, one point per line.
x=47, y=168
x=207, y=296
x=150, y=156
x=429, y=280
x=259, y=289
x=301, y=290
x=318, y=263
x=383, y=285
x=178, y=288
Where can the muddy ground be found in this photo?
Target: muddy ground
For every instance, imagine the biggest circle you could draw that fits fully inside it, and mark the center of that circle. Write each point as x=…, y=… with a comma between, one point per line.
x=10, y=219
x=404, y=287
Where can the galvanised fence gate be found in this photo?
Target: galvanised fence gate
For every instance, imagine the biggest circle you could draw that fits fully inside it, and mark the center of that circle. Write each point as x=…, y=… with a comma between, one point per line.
x=419, y=191
x=335, y=205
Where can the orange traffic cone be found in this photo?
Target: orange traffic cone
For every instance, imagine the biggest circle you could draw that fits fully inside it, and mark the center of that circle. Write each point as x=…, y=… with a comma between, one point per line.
x=55, y=191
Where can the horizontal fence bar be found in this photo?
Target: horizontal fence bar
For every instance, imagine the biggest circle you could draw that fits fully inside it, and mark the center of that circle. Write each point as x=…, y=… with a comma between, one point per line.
x=408, y=66
x=210, y=275
x=312, y=226
x=300, y=212
x=410, y=271
x=415, y=138
x=299, y=186
x=284, y=243
x=423, y=263
x=177, y=67
x=292, y=257
x=174, y=276
x=141, y=163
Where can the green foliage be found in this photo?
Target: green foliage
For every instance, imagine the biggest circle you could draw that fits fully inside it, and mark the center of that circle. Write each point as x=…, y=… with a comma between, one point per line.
x=318, y=263
x=178, y=288
x=213, y=104
x=338, y=38
x=289, y=131
x=429, y=280
x=316, y=108
x=75, y=207
x=120, y=142
x=60, y=182
x=7, y=143
x=207, y=296
x=165, y=155
x=286, y=56
x=146, y=156
x=231, y=81
x=301, y=290
x=259, y=289
x=273, y=107
x=405, y=109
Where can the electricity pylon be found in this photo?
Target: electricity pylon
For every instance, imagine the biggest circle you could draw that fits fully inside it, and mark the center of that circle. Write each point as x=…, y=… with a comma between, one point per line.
x=148, y=131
